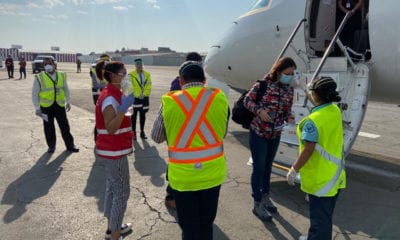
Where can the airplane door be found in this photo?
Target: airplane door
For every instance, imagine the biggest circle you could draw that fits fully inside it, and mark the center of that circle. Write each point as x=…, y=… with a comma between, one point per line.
x=320, y=26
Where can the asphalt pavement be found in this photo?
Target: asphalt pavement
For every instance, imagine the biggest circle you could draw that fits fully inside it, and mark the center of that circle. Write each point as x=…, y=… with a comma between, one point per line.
x=60, y=196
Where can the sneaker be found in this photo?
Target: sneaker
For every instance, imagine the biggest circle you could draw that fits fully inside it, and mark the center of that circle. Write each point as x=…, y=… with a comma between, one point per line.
x=51, y=150
x=268, y=204
x=126, y=227
x=303, y=237
x=261, y=212
x=73, y=149
x=142, y=135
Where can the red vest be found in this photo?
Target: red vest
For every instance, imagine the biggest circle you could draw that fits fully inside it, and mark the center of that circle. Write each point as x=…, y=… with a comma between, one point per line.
x=112, y=146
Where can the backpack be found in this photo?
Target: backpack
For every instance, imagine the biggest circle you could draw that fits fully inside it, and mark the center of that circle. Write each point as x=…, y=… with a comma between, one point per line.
x=240, y=114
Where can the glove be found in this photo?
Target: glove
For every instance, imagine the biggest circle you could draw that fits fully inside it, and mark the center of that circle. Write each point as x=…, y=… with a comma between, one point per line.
x=38, y=112
x=291, y=176
x=126, y=102
x=67, y=107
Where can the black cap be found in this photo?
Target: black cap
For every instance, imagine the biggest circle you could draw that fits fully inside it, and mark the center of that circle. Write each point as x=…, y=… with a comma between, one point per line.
x=192, y=71
x=138, y=60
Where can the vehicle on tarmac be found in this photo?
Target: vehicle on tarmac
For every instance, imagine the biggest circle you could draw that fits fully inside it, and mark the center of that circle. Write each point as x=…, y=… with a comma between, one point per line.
x=37, y=63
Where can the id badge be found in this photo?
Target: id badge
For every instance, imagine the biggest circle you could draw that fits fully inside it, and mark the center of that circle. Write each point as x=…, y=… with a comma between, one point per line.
x=348, y=5
x=198, y=166
x=57, y=91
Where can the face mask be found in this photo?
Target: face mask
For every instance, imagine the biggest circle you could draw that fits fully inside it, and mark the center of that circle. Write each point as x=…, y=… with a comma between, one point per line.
x=48, y=68
x=286, y=79
x=126, y=86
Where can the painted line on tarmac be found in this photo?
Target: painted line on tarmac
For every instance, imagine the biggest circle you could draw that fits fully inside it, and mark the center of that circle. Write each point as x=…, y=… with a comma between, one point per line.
x=368, y=135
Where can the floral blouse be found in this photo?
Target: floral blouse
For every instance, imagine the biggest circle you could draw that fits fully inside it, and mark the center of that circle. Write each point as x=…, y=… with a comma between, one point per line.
x=277, y=100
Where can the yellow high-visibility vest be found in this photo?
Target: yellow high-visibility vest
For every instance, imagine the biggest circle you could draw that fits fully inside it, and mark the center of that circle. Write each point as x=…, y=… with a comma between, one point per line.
x=323, y=174
x=50, y=90
x=195, y=121
x=138, y=88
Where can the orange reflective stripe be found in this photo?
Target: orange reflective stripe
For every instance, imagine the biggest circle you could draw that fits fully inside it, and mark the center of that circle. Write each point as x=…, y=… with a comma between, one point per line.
x=196, y=122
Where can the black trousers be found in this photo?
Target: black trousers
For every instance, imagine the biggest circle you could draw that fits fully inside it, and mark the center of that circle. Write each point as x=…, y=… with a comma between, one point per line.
x=142, y=118
x=57, y=112
x=321, y=213
x=196, y=212
x=22, y=71
x=10, y=71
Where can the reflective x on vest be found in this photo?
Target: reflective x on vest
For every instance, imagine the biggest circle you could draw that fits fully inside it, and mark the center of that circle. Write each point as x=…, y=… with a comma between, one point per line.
x=195, y=123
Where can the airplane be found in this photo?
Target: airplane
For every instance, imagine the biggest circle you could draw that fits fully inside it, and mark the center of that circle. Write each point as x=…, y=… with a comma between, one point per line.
x=271, y=28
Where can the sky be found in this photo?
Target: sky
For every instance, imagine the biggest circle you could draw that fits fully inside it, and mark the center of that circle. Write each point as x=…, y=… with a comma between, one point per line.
x=86, y=26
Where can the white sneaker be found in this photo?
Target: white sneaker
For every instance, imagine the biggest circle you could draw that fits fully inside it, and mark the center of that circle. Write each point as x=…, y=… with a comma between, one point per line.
x=303, y=237
x=126, y=227
x=268, y=204
x=261, y=212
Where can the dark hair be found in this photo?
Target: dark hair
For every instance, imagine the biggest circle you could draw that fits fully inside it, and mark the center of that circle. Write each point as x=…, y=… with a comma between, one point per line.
x=192, y=71
x=48, y=59
x=279, y=66
x=194, y=56
x=108, y=67
x=325, y=88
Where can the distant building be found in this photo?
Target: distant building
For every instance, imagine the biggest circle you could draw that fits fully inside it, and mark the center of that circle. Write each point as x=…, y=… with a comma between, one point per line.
x=164, y=49
x=30, y=55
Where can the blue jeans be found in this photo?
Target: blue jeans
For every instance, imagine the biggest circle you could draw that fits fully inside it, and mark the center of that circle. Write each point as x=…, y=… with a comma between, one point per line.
x=321, y=212
x=263, y=152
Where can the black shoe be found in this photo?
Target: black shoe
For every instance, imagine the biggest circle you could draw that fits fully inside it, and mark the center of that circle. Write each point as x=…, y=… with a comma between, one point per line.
x=73, y=149
x=142, y=135
x=51, y=150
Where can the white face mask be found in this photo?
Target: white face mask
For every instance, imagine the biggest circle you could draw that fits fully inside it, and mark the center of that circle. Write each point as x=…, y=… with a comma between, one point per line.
x=126, y=86
x=48, y=68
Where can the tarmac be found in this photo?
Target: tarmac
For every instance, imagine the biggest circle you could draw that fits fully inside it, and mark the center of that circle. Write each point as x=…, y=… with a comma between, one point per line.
x=61, y=195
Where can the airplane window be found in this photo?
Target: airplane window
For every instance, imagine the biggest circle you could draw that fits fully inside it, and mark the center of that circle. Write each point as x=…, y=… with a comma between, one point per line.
x=259, y=4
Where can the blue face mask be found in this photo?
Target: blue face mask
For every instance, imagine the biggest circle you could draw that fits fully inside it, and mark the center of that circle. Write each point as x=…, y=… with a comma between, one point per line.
x=286, y=79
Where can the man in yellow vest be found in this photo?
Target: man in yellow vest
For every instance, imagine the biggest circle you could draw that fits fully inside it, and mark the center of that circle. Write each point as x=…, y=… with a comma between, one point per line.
x=320, y=162
x=194, y=123
x=50, y=97
x=141, y=82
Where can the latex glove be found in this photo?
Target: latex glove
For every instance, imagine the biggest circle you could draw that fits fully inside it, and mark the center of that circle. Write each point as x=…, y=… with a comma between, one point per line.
x=38, y=112
x=126, y=102
x=67, y=107
x=291, y=176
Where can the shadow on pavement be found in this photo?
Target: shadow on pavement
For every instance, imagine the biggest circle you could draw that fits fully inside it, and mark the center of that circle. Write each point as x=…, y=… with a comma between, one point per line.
x=218, y=234
x=361, y=210
x=96, y=182
x=149, y=163
x=33, y=184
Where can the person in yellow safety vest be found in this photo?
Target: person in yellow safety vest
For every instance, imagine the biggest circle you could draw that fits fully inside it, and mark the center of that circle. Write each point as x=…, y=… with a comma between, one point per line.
x=320, y=162
x=50, y=97
x=97, y=84
x=141, y=82
x=194, y=121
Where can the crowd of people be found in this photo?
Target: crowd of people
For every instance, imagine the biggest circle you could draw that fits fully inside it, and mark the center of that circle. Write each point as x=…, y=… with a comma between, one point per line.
x=193, y=121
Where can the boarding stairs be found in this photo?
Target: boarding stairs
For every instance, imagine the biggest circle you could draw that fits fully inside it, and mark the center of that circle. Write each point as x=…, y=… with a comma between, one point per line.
x=351, y=77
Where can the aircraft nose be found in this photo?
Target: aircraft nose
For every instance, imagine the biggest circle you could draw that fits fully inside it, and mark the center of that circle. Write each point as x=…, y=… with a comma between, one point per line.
x=212, y=64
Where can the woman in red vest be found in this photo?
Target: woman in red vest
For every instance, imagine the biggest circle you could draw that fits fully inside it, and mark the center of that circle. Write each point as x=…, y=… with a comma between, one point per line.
x=113, y=144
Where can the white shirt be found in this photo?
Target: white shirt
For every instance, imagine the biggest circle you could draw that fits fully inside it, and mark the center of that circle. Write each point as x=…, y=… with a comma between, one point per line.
x=110, y=101
x=36, y=90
